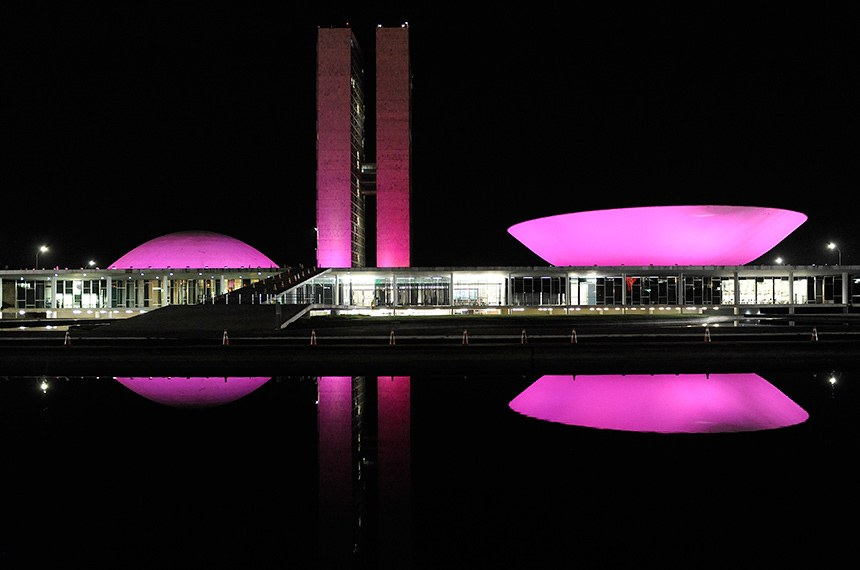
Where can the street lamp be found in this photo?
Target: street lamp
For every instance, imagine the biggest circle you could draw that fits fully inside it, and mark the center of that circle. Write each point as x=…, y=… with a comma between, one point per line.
x=42, y=249
x=779, y=261
x=832, y=245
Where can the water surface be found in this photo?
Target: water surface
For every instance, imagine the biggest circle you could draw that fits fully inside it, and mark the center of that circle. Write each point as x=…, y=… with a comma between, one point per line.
x=420, y=471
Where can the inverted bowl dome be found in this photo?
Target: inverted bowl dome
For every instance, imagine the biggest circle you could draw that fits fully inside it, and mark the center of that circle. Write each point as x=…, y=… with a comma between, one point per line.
x=658, y=235
x=195, y=249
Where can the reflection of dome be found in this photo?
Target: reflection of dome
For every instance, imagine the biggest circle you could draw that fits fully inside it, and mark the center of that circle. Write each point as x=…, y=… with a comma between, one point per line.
x=195, y=249
x=658, y=235
x=194, y=391
x=663, y=403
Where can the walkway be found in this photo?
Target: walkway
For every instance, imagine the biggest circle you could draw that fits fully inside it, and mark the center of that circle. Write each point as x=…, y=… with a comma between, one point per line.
x=262, y=291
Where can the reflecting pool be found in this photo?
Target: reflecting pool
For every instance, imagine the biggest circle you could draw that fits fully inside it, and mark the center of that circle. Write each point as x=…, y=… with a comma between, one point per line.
x=430, y=471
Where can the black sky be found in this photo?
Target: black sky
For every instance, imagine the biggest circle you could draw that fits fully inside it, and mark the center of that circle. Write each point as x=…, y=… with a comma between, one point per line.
x=126, y=122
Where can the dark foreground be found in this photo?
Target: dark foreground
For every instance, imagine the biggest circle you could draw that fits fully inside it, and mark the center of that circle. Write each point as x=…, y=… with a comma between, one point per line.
x=328, y=465
x=248, y=340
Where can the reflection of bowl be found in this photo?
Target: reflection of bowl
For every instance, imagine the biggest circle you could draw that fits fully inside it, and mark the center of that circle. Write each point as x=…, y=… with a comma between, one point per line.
x=658, y=235
x=193, y=391
x=662, y=403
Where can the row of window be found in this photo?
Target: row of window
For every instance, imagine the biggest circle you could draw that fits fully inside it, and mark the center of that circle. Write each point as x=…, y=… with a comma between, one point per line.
x=435, y=291
x=577, y=291
x=132, y=294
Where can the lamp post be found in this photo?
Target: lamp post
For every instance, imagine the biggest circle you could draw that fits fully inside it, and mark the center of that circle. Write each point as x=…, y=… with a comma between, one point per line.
x=832, y=245
x=42, y=249
x=316, y=245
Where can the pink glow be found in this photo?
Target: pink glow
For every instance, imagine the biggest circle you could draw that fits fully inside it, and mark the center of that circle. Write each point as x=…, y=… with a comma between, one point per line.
x=194, y=391
x=394, y=438
x=658, y=235
x=335, y=441
x=394, y=458
x=193, y=249
x=663, y=403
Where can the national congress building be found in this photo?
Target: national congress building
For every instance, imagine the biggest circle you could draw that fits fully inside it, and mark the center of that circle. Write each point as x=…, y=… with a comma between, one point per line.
x=350, y=187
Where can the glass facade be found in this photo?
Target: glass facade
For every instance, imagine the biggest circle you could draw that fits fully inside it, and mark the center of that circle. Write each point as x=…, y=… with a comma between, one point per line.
x=451, y=289
x=559, y=288
x=60, y=291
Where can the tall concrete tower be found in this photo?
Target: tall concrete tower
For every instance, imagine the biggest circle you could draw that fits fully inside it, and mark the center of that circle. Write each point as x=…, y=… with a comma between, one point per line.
x=393, y=147
x=342, y=169
x=340, y=149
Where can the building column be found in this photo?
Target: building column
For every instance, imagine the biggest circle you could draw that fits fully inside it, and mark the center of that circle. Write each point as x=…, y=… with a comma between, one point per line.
x=790, y=292
x=737, y=292
x=623, y=289
x=568, y=291
x=335, y=294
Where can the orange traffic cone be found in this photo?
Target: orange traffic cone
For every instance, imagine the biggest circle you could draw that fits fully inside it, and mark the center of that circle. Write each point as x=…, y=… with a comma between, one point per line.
x=225, y=340
x=68, y=340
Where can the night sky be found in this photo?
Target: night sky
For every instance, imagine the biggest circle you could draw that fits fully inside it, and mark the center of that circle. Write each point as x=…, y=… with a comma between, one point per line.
x=125, y=122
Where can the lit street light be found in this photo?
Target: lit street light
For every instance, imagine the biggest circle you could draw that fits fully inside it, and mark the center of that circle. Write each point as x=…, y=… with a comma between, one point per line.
x=42, y=249
x=832, y=245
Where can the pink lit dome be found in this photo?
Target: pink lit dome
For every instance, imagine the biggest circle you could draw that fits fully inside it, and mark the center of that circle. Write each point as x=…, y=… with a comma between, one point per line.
x=658, y=235
x=194, y=249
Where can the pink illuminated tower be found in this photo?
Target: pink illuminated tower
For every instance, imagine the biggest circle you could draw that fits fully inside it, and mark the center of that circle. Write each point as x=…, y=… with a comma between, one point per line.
x=393, y=147
x=340, y=149
x=342, y=169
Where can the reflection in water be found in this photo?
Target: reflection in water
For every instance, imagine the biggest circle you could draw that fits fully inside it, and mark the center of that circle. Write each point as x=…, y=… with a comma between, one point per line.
x=423, y=472
x=364, y=447
x=193, y=391
x=663, y=403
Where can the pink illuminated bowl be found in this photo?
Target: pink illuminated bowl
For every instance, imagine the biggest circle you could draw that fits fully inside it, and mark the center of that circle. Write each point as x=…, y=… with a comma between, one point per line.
x=658, y=235
x=193, y=249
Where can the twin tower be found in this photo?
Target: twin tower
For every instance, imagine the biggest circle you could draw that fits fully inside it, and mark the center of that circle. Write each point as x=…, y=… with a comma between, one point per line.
x=344, y=178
